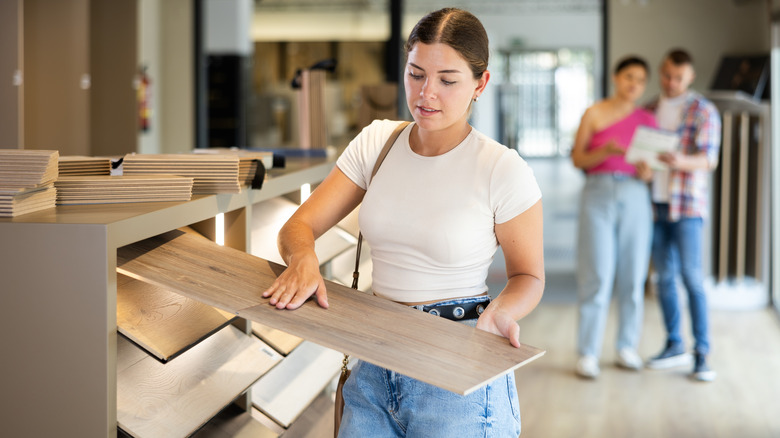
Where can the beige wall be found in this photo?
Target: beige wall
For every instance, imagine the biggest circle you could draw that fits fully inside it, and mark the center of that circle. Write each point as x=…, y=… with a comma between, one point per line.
x=165, y=46
x=176, y=83
x=10, y=62
x=708, y=29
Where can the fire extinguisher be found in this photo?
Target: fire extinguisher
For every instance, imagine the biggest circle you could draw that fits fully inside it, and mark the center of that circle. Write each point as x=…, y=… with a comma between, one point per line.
x=144, y=100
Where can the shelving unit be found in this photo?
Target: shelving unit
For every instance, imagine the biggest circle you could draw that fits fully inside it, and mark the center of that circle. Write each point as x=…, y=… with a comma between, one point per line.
x=59, y=324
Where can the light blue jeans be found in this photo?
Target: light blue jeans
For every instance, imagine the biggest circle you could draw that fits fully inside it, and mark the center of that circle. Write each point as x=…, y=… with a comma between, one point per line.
x=677, y=249
x=379, y=403
x=613, y=253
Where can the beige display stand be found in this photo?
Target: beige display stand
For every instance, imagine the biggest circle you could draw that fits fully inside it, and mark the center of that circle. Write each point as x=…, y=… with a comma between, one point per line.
x=58, y=283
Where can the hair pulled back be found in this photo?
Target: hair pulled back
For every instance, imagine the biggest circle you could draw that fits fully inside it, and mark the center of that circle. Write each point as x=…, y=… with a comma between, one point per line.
x=458, y=29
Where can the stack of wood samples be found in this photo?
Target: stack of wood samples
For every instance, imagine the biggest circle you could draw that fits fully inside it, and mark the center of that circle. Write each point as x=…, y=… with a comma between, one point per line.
x=75, y=165
x=27, y=181
x=112, y=189
x=249, y=174
x=311, y=102
x=212, y=173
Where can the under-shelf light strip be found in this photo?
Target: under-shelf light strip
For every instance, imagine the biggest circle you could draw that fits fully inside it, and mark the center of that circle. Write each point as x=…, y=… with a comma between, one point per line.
x=220, y=229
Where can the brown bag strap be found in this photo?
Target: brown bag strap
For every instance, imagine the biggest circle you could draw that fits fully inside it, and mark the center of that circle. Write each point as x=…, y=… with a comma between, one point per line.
x=382, y=154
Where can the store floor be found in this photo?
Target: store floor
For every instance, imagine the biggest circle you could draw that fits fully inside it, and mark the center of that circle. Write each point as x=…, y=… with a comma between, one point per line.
x=742, y=402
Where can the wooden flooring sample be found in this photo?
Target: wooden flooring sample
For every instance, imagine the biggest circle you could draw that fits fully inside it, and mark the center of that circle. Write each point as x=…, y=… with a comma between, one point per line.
x=177, y=398
x=288, y=389
x=164, y=323
x=280, y=341
x=440, y=352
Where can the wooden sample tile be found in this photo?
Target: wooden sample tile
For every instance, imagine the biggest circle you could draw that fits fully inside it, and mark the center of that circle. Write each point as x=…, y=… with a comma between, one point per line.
x=290, y=387
x=280, y=341
x=443, y=353
x=76, y=165
x=177, y=398
x=27, y=168
x=164, y=323
x=234, y=422
x=18, y=201
x=108, y=189
x=212, y=173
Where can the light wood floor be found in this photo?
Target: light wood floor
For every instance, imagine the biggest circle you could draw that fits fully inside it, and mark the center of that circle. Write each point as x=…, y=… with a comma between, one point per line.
x=744, y=401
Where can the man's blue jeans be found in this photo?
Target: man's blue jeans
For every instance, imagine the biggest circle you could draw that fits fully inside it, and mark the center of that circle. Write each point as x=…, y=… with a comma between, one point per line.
x=677, y=249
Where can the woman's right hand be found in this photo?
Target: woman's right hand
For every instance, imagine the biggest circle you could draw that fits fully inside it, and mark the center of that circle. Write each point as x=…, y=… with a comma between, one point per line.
x=298, y=283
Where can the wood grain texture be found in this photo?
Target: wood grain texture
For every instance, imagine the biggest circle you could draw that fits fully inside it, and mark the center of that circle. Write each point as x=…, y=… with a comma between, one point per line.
x=177, y=398
x=288, y=389
x=443, y=353
x=164, y=323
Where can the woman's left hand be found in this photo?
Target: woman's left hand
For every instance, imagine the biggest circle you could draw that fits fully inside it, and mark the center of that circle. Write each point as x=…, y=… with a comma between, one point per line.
x=500, y=323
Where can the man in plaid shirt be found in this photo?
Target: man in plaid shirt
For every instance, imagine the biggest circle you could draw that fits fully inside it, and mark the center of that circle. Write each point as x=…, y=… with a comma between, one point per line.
x=680, y=205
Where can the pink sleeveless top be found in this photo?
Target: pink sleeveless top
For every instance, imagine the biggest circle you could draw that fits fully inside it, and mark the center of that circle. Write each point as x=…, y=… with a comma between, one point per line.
x=622, y=132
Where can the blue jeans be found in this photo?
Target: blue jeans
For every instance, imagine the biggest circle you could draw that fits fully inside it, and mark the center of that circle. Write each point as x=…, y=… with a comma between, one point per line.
x=613, y=252
x=380, y=403
x=677, y=249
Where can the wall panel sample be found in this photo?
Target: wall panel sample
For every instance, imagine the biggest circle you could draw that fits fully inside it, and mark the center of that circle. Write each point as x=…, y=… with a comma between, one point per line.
x=175, y=399
x=162, y=322
x=443, y=353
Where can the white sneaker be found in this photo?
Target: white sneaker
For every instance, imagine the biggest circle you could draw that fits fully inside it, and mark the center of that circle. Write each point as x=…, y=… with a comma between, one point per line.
x=588, y=367
x=628, y=358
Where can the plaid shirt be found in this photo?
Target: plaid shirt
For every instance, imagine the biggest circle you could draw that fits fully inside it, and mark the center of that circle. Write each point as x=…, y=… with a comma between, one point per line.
x=700, y=131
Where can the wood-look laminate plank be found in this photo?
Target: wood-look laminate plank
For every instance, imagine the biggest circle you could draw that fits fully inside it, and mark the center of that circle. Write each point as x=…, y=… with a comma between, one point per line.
x=177, y=398
x=280, y=341
x=288, y=389
x=443, y=353
x=162, y=322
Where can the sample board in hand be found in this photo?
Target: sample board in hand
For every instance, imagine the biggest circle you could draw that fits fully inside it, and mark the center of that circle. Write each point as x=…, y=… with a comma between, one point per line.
x=440, y=352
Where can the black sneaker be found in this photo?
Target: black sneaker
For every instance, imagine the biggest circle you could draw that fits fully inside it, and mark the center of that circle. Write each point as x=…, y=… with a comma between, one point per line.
x=674, y=355
x=701, y=371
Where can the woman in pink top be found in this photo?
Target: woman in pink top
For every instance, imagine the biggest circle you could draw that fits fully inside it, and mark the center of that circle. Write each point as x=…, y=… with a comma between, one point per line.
x=615, y=221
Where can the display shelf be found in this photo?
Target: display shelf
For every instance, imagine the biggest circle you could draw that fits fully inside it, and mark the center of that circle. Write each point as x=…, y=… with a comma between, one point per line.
x=447, y=354
x=234, y=422
x=163, y=323
x=177, y=398
x=285, y=391
x=60, y=264
x=280, y=341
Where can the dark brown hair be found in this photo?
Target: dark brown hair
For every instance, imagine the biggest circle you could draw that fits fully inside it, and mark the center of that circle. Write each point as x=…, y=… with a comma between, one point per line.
x=629, y=61
x=458, y=29
x=679, y=57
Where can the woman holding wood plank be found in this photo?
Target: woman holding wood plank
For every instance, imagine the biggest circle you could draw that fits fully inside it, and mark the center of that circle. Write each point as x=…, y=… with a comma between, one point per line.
x=443, y=200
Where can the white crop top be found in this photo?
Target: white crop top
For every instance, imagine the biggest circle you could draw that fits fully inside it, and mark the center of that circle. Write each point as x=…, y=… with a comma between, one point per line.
x=430, y=220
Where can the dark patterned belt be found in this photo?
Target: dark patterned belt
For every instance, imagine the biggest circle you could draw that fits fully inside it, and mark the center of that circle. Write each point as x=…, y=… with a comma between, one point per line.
x=456, y=312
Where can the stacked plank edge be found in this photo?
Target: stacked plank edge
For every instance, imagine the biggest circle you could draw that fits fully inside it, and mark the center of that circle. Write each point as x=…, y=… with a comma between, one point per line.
x=211, y=173
x=27, y=181
x=77, y=165
x=108, y=189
